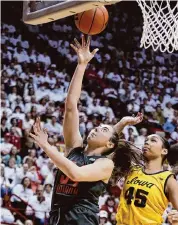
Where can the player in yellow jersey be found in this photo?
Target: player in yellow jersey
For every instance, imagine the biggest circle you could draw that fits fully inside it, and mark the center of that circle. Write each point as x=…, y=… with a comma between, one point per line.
x=148, y=188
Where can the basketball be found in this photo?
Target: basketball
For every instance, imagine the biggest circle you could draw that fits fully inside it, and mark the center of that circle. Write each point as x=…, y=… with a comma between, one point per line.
x=93, y=21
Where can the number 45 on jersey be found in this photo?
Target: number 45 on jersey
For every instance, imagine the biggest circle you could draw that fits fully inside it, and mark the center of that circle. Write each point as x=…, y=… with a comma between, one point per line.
x=139, y=199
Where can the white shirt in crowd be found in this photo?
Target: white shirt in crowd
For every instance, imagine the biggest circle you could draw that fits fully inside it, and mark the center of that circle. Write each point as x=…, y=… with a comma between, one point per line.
x=41, y=209
x=174, y=136
x=44, y=59
x=92, y=109
x=139, y=141
x=110, y=92
x=114, y=77
x=41, y=161
x=45, y=171
x=54, y=128
x=6, y=182
x=12, y=97
x=6, y=216
x=20, y=174
x=49, y=179
x=27, y=124
x=48, y=195
x=168, y=113
x=24, y=193
x=108, y=109
x=5, y=147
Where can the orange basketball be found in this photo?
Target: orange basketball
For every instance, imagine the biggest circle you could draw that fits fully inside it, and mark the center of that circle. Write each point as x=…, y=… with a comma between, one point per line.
x=93, y=21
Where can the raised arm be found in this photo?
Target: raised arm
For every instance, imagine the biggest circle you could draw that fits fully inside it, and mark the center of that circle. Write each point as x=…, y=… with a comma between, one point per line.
x=128, y=120
x=72, y=135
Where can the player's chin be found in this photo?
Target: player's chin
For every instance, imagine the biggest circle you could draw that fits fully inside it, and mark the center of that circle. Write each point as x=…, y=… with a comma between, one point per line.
x=89, y=137
x=92, y=140
x=89, y=140
x=146, y=154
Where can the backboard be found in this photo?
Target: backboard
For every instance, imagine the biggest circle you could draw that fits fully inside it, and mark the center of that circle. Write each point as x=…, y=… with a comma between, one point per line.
x=39, y=12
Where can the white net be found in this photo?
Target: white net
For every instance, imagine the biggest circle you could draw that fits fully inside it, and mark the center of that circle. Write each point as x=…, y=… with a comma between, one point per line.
x=160, y=28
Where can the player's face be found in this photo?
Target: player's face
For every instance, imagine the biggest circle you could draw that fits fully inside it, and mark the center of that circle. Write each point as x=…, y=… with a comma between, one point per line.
x=153, y=147
x=99, y=136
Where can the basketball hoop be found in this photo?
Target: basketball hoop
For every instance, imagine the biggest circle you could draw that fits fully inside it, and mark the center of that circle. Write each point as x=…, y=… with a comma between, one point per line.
x=160, y=28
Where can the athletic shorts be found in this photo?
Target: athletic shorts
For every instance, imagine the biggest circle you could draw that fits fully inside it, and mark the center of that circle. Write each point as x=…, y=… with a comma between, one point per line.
x=75, y=216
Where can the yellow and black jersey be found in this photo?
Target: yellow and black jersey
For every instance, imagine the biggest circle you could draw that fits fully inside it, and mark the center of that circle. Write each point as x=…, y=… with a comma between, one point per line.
x=143, y=199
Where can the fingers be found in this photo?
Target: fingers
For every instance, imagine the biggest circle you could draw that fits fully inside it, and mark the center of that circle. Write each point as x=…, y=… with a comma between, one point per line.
x=141, y=116
x=94, y=51
x=77, y=43
x=32, y=135
x=35, y=129
x=45, y=131
x=78, y=46
x=138, y=114
x=74, y=47
x=38, y=124
x=83, y=41
x=88, y=41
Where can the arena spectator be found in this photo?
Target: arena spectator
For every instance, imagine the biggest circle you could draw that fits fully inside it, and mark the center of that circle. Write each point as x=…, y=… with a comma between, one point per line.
x=140, y=140
x=6, y=146
x=48, y=191
x=40, y=205
x=5, y=183
x=46, y=169
x=6, y=215
x=54, y=127
x=10, y=172
x=28, y=222
x=103, y=218
x=22, y=194
x=110, y=206
x=13, y=154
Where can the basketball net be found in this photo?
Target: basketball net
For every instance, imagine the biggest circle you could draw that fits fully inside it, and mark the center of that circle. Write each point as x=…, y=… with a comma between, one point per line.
x=160, y=28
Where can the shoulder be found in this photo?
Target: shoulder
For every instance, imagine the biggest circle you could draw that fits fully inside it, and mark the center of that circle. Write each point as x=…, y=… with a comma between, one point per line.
x=33, y=199
x=18, y=187
x=71, y=151
x=30, y=191
x=170, y=183
x=105, y=162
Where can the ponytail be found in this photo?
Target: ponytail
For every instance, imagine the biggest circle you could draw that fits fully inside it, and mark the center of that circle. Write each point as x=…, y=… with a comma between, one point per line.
x=125, y=156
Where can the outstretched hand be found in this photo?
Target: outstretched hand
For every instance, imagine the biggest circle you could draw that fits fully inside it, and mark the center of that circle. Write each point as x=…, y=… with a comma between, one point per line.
x=40, y=135
x=131, y=120
x=83, y=50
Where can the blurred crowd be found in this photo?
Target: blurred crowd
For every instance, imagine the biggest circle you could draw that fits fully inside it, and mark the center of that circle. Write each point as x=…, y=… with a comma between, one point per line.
x=37, y=66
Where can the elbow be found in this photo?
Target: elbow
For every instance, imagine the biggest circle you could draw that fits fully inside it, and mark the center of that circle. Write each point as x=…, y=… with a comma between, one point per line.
x=76, y=176
x=70, y=104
